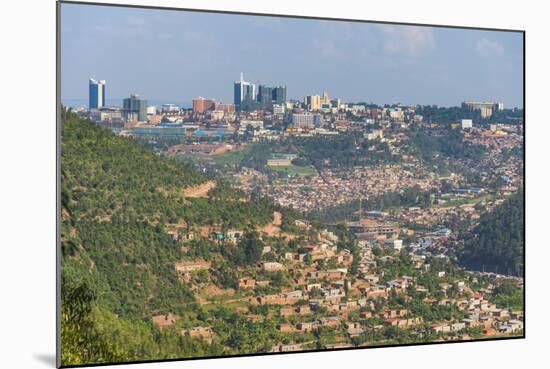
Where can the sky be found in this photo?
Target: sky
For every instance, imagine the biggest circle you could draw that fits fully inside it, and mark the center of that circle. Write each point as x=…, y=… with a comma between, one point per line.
x=172, y=56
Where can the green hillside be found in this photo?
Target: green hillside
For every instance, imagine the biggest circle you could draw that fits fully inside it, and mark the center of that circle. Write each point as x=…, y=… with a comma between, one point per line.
x=117, y=258
x=497, y=242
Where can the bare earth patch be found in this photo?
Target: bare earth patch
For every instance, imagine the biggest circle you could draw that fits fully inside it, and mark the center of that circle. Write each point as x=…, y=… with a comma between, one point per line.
x=200, y=190
x=274, y=228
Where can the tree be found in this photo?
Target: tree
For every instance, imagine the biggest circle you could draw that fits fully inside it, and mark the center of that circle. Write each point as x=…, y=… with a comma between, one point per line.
x=253, y=247
x=80, y=340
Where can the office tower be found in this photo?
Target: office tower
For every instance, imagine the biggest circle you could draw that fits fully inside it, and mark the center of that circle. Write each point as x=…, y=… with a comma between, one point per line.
x=279, y=95
x=135, y=108
x=244, y=92
x=96, y=94
x=201, y=105
x=325, y=100
x=313, y=102
x=265, y=95
x=268, y=95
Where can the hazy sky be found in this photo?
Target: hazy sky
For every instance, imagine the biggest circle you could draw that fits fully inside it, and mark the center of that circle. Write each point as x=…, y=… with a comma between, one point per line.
x=173, y=56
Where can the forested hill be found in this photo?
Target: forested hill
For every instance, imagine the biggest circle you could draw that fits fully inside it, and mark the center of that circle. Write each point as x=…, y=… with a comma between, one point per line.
x=496, y=243
x=117, y=258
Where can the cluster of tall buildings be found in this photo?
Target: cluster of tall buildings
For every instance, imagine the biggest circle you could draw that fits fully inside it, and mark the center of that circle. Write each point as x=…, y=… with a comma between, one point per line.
x=249, y=96
x=134, y=108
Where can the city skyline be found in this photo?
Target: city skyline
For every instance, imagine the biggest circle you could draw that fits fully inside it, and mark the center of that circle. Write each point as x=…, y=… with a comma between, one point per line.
x=354, y=61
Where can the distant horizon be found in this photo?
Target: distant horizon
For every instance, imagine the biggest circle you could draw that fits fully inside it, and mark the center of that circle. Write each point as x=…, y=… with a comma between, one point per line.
x=78, y=102
x=201, y=54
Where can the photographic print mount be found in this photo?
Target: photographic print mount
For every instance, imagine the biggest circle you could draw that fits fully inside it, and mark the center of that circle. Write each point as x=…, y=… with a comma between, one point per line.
x=227, y=224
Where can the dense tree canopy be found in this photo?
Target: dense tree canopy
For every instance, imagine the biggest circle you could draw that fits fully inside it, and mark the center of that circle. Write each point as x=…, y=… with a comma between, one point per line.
x=496, y=243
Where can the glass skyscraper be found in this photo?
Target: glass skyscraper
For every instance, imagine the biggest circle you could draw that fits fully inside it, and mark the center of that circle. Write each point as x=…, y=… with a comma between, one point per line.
x=96, y=94
x=268, y=95
x=247, y=96
x=135, y=108
x=265, y=95
x=244, y=92
x=279, y=94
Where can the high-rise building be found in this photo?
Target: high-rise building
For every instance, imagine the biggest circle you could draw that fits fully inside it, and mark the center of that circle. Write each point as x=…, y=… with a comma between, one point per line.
x=201, y=105
x=249, y=96
x=324, y=99
x=244, y=92
x=135, y=108
x=279, y=95
x=96, y=94
x=265, y=95
x=268, y=95
x=313, y=102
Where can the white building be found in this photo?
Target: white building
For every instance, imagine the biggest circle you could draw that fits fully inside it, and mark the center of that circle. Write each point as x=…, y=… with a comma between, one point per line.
x=170, y=108
x=278, y=109
x=302, y=120
x=255, y=124
x=467, y=123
